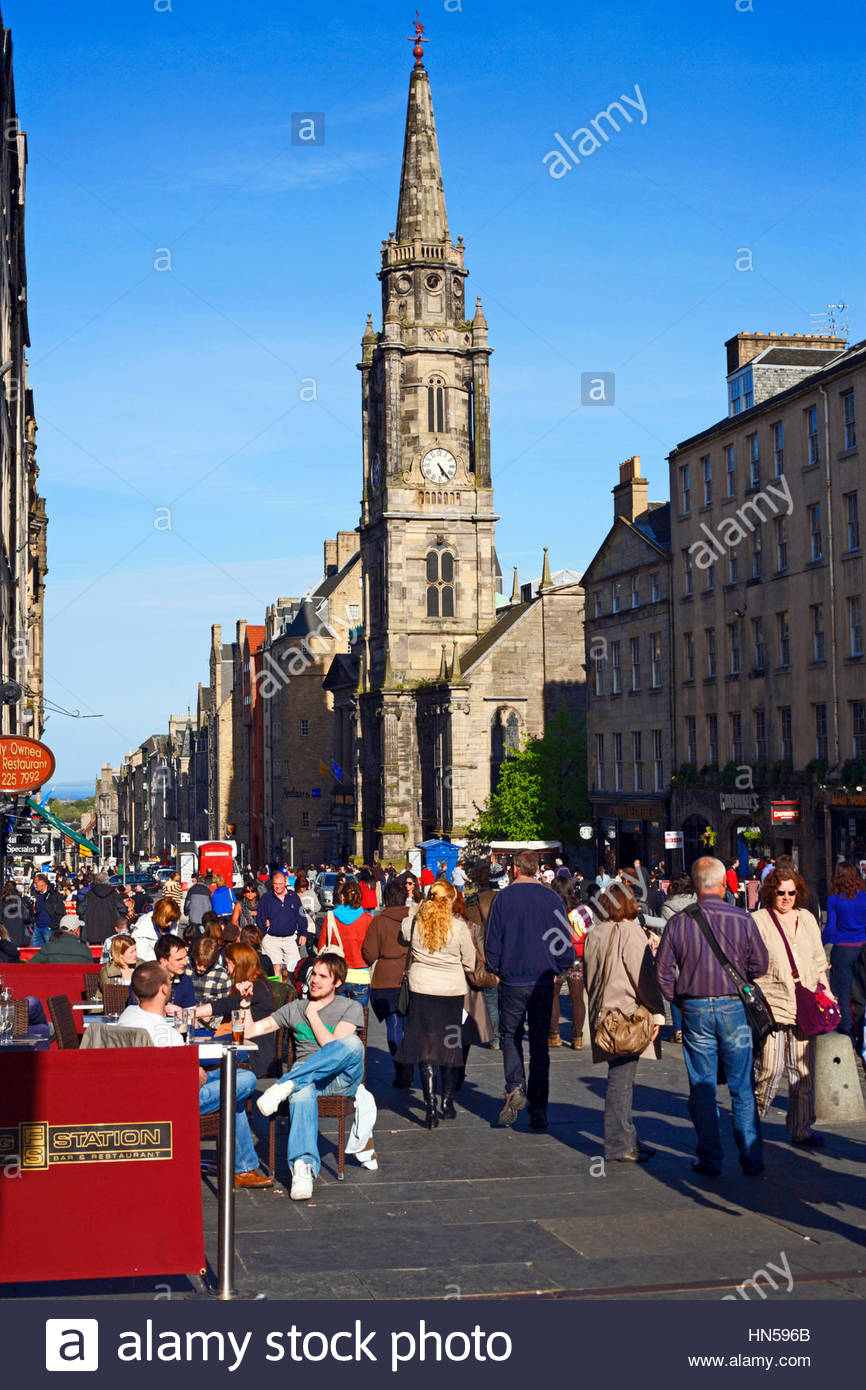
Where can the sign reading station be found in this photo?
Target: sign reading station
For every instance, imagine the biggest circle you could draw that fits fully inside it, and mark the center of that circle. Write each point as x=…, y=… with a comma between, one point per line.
x=25, y=764
x=39, y=1146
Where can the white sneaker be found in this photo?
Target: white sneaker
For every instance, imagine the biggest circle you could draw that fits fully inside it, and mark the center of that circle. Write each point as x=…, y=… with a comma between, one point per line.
x=270, y=1100
x=302, y=1180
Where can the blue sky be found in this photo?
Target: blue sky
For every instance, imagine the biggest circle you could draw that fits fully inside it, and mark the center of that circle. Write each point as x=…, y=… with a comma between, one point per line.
x=180, y=388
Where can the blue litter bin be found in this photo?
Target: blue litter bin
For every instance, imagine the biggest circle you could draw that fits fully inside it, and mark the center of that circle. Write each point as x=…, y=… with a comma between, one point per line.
x=440, y=856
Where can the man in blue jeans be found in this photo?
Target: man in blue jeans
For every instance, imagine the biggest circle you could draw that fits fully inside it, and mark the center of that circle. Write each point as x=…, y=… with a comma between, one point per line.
x=528, y=943
x=715, y=1028
x=48, y=909
x=329, y=1061
x=151, y=985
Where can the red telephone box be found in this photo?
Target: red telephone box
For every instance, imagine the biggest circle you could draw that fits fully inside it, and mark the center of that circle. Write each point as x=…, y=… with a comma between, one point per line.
x=217, y=857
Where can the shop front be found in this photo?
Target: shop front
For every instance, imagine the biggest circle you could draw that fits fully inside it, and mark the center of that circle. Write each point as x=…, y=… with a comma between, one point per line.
x=847, y=815
x=738, y=825
x=630, y=830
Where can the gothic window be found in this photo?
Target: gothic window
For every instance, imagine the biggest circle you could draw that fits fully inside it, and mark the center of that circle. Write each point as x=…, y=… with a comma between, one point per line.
x=504, y=742
x=436, y=406
x=440, y=584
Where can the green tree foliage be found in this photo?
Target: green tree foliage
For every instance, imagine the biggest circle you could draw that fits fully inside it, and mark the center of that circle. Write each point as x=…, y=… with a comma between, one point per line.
x=542, y=791
x=71, y=810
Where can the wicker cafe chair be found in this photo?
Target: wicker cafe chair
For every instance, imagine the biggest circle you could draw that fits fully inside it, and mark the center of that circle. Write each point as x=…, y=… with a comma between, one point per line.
x=338, y=1108
x=114, y=997
x=91, y=986
x=20, y=1018
x=60, y=1012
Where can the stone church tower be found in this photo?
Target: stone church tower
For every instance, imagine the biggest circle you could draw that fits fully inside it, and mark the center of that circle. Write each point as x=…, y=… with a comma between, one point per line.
x=446, y=675
x=427, y=524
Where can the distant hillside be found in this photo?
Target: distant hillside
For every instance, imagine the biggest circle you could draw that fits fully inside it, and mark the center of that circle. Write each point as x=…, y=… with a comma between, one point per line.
x=71, y=811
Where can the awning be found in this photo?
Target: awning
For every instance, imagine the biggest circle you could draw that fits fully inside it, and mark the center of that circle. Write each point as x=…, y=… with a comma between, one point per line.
x=60, y=825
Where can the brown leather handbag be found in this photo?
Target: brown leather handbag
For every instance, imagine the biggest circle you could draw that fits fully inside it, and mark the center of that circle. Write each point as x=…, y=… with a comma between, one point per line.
x=481, y=977
x=618, y=1034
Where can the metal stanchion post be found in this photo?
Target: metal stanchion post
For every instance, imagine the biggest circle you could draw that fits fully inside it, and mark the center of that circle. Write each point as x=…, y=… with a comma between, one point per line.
x=226, y=1183
x=226, y=1218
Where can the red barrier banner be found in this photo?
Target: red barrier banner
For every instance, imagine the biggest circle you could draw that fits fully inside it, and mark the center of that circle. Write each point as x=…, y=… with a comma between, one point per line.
x=100, y=1157
x=45, y=980
x=25, y=953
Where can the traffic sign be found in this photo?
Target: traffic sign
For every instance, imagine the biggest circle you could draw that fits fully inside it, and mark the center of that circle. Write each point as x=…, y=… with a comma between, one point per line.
x=673, y=839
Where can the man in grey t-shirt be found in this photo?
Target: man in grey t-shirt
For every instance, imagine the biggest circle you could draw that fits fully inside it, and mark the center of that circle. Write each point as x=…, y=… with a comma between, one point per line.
x=329, y=1061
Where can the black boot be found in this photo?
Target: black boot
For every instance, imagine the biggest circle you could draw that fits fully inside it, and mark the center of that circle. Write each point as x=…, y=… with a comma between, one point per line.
x=428, y=1086
x=448, y=1078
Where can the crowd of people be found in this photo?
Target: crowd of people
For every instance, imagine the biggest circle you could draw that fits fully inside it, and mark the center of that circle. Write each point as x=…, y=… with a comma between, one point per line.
x=481, y=959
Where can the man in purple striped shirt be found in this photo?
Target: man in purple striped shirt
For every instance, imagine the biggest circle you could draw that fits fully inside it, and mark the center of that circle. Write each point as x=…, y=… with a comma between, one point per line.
x=715, y=1028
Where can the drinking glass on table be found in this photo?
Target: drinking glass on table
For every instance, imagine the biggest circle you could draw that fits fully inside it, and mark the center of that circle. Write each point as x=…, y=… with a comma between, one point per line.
x=183, y=1023
x=7, y=1015
x=190, y=1025
x=238, y=1021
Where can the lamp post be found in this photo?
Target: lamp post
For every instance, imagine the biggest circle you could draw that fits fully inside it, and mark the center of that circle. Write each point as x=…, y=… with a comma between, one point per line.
x=124, y=841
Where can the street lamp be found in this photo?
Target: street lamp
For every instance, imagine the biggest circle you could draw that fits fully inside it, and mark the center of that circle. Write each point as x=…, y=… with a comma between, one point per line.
x=124, y=840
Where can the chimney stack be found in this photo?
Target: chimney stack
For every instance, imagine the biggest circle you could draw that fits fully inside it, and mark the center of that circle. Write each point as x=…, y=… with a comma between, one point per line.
x=631, y=492
x=347, y=544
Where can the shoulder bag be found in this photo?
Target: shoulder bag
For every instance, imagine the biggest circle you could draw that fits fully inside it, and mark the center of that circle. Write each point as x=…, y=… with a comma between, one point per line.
x=403, y=997
x=335, y=947
x=814, y=1016
x=759, y=1015
x=618, y=1034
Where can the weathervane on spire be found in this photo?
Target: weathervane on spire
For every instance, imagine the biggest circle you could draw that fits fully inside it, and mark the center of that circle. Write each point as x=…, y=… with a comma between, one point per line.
x=418, y=40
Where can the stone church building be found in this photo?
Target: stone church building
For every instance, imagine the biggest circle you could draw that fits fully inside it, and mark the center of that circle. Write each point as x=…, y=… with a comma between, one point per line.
x=446, y=674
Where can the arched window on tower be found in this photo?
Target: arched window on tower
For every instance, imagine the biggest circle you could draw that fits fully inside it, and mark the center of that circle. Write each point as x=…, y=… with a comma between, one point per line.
x=440, y=584
x=436, y=421
x=504, y=742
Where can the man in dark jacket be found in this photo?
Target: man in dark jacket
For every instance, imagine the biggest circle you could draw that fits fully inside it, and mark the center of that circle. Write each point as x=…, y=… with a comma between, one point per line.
x=283, y=923
x=48, y=909
x=197, y=901
x=64, y=946
x=100, y=910
x=529, y=942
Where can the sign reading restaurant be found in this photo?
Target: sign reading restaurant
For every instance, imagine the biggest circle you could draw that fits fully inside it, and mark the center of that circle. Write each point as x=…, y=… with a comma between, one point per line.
x=25, y=764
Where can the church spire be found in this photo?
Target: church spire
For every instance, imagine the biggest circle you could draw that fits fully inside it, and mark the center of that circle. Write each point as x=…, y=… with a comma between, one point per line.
x=421, y=210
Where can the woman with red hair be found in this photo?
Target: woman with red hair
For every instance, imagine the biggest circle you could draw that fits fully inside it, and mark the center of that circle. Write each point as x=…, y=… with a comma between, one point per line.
x=242, y=964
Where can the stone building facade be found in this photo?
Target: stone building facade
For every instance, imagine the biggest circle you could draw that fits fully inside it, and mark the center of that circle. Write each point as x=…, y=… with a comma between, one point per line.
x=22, y=511
x=225, y=777
x=629, y=685
x=106, y=808
x=768, y=594
x=311, y=797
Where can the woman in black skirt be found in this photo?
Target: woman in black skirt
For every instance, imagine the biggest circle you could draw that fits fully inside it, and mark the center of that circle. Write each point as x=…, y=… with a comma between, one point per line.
x=442, y=952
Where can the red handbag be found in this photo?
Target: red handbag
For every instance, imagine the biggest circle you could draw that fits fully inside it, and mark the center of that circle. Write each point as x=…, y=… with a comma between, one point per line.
x=815, y=1011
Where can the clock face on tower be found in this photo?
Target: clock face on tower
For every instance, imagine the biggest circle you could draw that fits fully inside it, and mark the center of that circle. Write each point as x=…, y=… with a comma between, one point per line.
x=439, y=466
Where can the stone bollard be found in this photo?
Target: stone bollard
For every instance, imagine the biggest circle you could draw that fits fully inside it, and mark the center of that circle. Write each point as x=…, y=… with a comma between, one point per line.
x=838, y=1095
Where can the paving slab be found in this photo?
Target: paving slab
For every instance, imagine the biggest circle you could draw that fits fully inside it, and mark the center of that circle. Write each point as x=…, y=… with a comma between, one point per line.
x=472, y=1211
